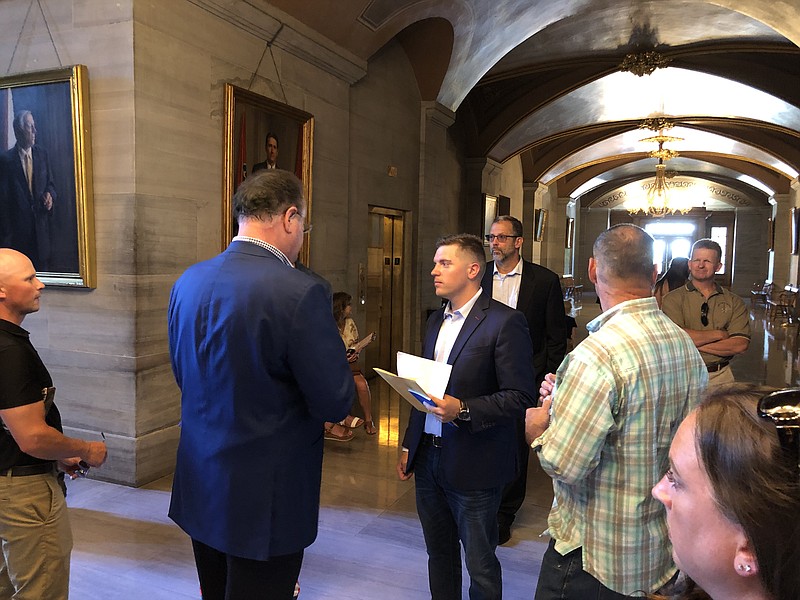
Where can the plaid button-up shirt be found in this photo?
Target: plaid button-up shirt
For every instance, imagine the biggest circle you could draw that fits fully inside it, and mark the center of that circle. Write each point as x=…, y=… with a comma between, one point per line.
x=619, y=398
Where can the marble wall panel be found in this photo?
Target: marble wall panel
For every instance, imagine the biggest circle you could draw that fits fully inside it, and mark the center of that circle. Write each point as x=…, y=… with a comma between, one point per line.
x=165, y=234
x=114, y=235
x=120, y=466
x=96, y=399
x=158, y=403
x=95, y=13
x=155, y=454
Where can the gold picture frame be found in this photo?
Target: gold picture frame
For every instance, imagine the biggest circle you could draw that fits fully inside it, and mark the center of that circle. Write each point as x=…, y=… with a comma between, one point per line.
x=249, y=118
x=539, y=224
x=50, y=111
x=489, y=215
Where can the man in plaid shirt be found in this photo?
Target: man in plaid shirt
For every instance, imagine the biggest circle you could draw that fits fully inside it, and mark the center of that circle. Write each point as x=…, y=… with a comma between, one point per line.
x=604, y=429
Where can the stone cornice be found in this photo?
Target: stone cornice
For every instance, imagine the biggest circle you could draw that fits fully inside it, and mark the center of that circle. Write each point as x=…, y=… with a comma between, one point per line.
x=283, y=31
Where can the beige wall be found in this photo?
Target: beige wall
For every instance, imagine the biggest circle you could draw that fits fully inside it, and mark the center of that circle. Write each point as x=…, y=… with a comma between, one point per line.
x=157, y=72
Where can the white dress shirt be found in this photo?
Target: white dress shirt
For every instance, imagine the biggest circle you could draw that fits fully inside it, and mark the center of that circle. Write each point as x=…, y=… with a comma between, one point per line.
x=505, y=288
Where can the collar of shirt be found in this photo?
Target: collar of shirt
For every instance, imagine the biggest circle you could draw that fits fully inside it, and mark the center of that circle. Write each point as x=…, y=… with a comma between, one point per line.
x=464, y=310
x=637, y=304
x=266, y=245
x=517, y=270
x=691, y=287
x=23, y=153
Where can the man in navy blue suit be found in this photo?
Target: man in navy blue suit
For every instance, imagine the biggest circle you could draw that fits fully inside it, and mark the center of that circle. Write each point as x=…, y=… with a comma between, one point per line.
x=27, y=195
x=464, y=451
x=259, y=361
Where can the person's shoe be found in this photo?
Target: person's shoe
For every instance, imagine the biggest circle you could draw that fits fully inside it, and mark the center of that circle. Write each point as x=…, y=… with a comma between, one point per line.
x=504, y=534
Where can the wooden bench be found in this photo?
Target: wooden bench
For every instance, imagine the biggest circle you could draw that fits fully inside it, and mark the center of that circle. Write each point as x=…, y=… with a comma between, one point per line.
x=761, y=292
x=783, y=304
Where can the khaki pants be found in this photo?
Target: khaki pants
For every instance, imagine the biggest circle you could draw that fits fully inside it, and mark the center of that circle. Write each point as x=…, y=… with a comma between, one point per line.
x=724, y=375
x=36, y=539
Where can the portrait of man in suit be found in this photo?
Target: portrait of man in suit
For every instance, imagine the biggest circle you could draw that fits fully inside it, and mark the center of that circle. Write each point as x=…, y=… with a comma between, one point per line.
x=536, y=292
x=271, y=148
x=28, y=195
x=464, y=451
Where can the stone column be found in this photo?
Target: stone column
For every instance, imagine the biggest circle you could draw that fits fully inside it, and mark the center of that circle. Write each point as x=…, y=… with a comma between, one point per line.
x=436, y=214
x=782, y=259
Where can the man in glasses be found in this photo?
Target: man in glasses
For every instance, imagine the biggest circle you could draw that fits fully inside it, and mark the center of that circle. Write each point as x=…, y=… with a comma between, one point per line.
x=258, y=358
x=716, y=319
x=536, y=292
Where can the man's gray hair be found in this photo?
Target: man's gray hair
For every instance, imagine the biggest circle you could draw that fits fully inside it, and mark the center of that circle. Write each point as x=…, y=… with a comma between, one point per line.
x=268, y=193
x=624, y=252
x=516, y=224
x=19, y=119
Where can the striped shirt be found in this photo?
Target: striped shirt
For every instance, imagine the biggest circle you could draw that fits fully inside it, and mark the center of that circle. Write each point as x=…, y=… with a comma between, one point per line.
x=619, y=398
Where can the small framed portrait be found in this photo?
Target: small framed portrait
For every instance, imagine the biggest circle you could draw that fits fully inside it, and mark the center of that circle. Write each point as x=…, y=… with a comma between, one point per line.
x=46, y=174
x=261, y=133
x=539, y=224
x=489, y=215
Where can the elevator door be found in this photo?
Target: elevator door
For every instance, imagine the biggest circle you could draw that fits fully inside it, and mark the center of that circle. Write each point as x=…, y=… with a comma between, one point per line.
x=384, y=287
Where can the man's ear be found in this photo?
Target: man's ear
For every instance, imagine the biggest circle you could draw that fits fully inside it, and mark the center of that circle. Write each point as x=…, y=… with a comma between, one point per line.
x=593, y=270
x=654, y=278
x=473, y=270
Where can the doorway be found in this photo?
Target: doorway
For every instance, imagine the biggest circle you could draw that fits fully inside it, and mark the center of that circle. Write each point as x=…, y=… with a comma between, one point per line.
x=384, y=287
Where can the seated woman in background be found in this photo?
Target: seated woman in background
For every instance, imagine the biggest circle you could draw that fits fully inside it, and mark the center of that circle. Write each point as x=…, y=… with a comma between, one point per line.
x=342, y=309
x=732, y=495
x=674, y=277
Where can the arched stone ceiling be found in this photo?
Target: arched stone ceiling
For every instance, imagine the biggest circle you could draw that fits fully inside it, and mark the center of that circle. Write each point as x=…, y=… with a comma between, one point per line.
x=539, y=79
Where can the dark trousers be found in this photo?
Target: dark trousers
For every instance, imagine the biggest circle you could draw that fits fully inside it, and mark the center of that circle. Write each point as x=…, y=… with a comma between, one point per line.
x=563, y=578
x=514, y=492
x=447, y=516
x=226, y=577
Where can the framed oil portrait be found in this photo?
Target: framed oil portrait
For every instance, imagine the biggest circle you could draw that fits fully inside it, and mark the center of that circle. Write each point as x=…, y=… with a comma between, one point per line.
x=770, y=235
x=46, y=174
x=263, y=133
x=539, y=224
x=489, y=215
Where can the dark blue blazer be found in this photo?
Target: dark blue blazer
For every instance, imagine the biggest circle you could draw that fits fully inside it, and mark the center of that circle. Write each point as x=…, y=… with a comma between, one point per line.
x=24, y=220
x=492, y=372
x=259, y=361
x=542, y=302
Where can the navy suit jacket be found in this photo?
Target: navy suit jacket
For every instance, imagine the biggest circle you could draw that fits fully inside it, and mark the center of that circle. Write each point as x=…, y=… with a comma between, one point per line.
x=24, y=220
x=541, y=301
x=259, y=361
x=493, y=373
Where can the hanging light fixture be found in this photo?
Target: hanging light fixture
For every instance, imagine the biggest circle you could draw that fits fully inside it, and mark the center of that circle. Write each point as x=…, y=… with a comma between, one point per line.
x=656, y=202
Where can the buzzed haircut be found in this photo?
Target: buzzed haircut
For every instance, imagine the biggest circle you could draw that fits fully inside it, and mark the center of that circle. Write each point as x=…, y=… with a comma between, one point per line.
x=708, y=244
x=624, y=252
x=466, y=242
x=268, y=193
x=516, y=224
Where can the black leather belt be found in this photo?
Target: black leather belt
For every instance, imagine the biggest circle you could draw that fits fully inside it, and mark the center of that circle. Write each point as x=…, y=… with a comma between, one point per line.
x=718, y=366
x=26, y=470
x=431, y=440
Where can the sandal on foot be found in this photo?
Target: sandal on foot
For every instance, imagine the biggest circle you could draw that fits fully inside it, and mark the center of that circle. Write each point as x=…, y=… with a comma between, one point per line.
x=351, y=422
x=333, y=436
x=369, y=427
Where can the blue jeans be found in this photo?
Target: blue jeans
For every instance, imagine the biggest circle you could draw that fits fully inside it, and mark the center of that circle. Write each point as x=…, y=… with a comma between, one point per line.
x=563, y=578
x=447, y=516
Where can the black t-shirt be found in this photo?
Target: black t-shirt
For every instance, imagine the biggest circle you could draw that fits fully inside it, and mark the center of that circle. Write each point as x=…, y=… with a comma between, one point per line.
x=23, y=380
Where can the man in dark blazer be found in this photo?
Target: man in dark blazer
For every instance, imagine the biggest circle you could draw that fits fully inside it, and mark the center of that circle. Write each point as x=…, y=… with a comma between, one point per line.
x=27, y=195
x=536, y=292
x=464, y=451
x=259, y=361
x=271, y=148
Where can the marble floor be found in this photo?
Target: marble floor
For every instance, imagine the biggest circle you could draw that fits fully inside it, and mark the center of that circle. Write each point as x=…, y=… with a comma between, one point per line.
x=370, y=544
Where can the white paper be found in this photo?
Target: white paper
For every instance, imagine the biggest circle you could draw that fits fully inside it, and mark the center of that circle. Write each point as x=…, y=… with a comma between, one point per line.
x=431, y=376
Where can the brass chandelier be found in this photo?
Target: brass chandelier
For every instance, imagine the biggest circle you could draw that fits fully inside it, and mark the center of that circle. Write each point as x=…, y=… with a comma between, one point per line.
x=656, y=202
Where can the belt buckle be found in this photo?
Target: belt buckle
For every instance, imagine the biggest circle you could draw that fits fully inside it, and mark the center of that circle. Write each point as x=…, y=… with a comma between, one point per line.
x=436, y=441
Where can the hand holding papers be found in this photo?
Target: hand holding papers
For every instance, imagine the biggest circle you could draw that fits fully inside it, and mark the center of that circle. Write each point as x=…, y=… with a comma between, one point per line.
x=418, y=379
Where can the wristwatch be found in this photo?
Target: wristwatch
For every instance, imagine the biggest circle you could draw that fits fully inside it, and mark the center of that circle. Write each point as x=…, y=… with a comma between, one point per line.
x=463, y=414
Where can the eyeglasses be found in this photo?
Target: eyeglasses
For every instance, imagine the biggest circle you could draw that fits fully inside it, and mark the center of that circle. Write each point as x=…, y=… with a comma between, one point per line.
x=783, y=409
x=490, y=237
x=704, y=314
x=308, y=227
